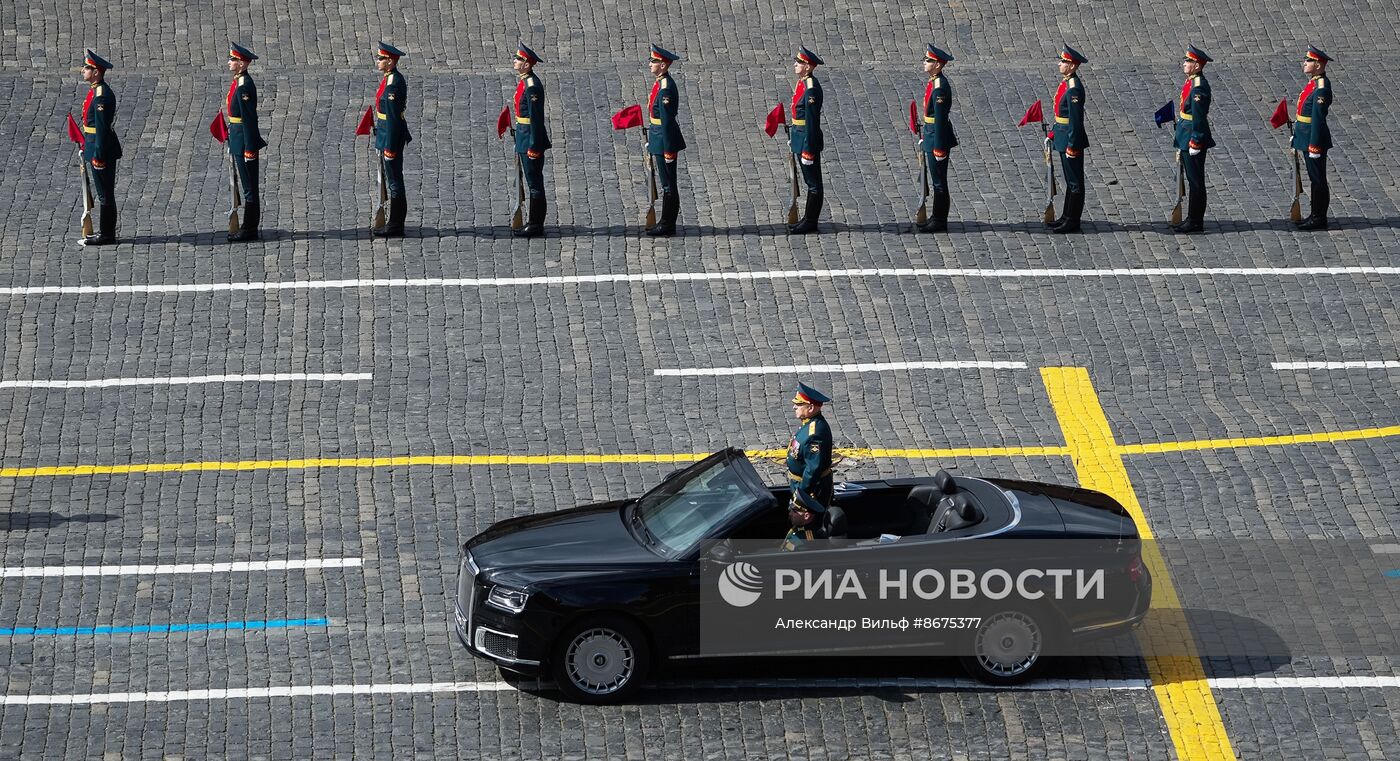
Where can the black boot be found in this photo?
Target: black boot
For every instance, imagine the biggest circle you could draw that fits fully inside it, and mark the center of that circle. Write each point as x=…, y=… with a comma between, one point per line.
x=938, y=220
x=106, y=227
x=393, y=228
x=1195, y=216
x=808, y=223
x=1074, y=209
x=249, y=230
x=535, y=226
x=1317, y=220
x=670, y=208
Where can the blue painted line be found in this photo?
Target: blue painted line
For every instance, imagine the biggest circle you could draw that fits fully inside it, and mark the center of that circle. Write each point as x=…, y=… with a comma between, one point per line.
x=162, y=628
x=1395, y=574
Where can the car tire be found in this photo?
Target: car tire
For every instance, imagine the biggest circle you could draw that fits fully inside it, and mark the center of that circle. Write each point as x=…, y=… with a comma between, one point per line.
x=1008, y=648
x=600, y=660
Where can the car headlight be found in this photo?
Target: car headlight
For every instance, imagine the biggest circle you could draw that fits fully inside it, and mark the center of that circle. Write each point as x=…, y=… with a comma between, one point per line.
x=507, y=599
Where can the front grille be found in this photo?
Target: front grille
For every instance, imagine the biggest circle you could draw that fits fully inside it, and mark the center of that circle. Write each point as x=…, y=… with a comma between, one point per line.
x=466, y=593
x=497, y=644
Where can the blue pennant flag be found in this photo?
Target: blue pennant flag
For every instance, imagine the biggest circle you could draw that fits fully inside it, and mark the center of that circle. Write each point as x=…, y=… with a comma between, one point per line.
x=1164, y=114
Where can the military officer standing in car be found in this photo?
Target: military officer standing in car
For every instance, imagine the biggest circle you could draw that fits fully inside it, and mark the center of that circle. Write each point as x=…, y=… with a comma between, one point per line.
x=809, y=465
x=936, y=138
x=1069, y=138
x=664, y=139
x=391, y=135
x=101, y=149
x=1193, y=136
x=1312, y=138
x=244, y=138
x=531, y=138
x=806, y=136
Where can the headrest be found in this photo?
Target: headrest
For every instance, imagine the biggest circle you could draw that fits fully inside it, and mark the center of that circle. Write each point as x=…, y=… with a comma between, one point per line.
x=944, y=481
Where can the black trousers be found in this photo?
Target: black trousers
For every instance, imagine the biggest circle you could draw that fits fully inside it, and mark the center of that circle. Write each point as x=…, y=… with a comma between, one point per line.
x=104, y=183
x=665, y=173
x=937, y=173
x=1194, y=167
x=247, y=177
x=811, y=174
x=1073, y=170
x=1321, y=193
x=393, y=175
x=534, y=174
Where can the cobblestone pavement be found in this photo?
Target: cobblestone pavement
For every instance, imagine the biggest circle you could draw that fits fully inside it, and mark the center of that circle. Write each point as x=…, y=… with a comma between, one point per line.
x=478, y=365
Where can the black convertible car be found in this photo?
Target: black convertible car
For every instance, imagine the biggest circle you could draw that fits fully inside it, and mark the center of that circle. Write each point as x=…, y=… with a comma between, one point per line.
x=593, y=596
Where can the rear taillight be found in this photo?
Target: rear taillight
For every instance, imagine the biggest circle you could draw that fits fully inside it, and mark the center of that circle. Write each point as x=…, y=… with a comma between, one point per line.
x=1135, y=568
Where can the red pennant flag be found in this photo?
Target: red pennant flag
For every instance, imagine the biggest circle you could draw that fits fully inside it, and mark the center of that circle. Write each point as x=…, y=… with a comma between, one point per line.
x=1280, y=116
x=775, y=119
x=218, y=128
x=74, y=134
x=913, y=120
x=366, y=125
x=1033, y=114
x=631, y=116
x=503, y=121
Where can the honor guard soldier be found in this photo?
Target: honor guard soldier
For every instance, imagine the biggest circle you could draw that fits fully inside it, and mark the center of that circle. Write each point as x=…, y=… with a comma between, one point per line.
x=809, y=465
x=531, y=138
x=1069, y=139
x=244, y=139
x=1193, y=137
x=101, y=149
x=664, y=139
x=1311, y=136
x=936, y=138
x=806, y=136
x=391, y=135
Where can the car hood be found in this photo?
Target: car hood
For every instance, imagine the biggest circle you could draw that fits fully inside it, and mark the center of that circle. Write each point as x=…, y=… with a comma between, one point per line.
x=579, y=539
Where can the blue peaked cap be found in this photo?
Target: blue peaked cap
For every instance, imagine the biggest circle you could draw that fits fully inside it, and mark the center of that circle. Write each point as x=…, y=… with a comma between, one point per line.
x=806, y=393
x=659, y=52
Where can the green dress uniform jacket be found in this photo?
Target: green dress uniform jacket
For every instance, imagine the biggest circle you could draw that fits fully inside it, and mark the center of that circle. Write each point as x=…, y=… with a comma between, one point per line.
x=1193, y=115
x=806, y=133
x=664, y=135
x=390, y=127
x=937, y=132
x=99, y=113
x=1311, y=134
x=1068, y=132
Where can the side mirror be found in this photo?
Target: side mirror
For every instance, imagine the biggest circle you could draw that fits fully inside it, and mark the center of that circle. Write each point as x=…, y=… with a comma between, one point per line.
x=721, y=553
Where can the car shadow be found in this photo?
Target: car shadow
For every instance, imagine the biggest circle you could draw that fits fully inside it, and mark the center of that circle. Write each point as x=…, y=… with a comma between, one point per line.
x=48, y=520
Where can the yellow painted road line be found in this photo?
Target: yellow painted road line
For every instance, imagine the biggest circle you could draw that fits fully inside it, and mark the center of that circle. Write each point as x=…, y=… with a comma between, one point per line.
x=1261, y=441
x=1179, y=681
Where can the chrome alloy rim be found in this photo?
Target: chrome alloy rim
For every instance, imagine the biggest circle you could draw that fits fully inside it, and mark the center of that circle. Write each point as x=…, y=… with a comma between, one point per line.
x=1008, y=644
x=599, y=661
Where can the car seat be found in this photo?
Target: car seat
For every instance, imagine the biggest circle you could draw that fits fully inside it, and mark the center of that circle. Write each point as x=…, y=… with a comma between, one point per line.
x=954, y=512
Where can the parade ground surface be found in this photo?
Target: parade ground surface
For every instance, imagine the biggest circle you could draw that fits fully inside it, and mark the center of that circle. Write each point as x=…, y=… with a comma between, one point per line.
x=235, y=478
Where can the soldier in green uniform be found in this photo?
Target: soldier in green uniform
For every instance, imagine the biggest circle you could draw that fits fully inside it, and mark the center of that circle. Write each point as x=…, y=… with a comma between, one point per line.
x=1193, y=136
x=806, y=136
x=531, y=138
x=391, y=135
x=664, y=139
x=1069, y=139
x=1312, y=138
x=244, y=138
x=936, y=138
x=101, y=149
x=809, y=466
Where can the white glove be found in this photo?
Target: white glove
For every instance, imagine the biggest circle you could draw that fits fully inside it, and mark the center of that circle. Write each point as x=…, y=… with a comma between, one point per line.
x=807, y=162
x=1312, y=155
x=1194, y=151
x=940, y=158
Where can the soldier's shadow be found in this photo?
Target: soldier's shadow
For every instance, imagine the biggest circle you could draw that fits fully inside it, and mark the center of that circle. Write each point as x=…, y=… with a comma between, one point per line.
x=48, y=520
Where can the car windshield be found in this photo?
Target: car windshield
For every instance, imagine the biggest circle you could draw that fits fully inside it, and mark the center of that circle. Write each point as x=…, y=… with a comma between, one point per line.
x=688, y=507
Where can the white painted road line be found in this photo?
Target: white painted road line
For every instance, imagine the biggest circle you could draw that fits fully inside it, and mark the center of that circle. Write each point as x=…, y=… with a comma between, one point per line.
x=166, y=569
x=186, y=380
x=860, y=367
x=1365, y=365
x=674, y=277
x=1386, y=549
x=419, y=688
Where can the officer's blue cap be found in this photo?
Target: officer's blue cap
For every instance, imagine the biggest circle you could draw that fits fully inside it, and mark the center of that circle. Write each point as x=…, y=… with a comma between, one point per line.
x=241, y=53
x=524, y=53
x=808, y=57
x=937, y=54
x=808, y=395
x=805, y=501
x=1071, y=55
x=659, y=53
x=1317, y=55
x=389, y=50
x=96, y=61
x=1194, y=53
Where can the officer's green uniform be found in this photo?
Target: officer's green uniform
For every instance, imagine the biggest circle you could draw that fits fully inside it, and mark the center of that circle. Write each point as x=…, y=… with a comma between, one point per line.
x=809, y=466
x=390, y=136
x=665, y=141
x=937, y=139
x=807, y=140
x=101, y=149
x=1193, y=133
x=244, y=142
x=1069, y=139
x=1311, y=135
x=531, y=137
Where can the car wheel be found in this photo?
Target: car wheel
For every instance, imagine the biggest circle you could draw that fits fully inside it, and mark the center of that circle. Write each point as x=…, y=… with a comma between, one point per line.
x=1007, y=648
x=601, y=660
